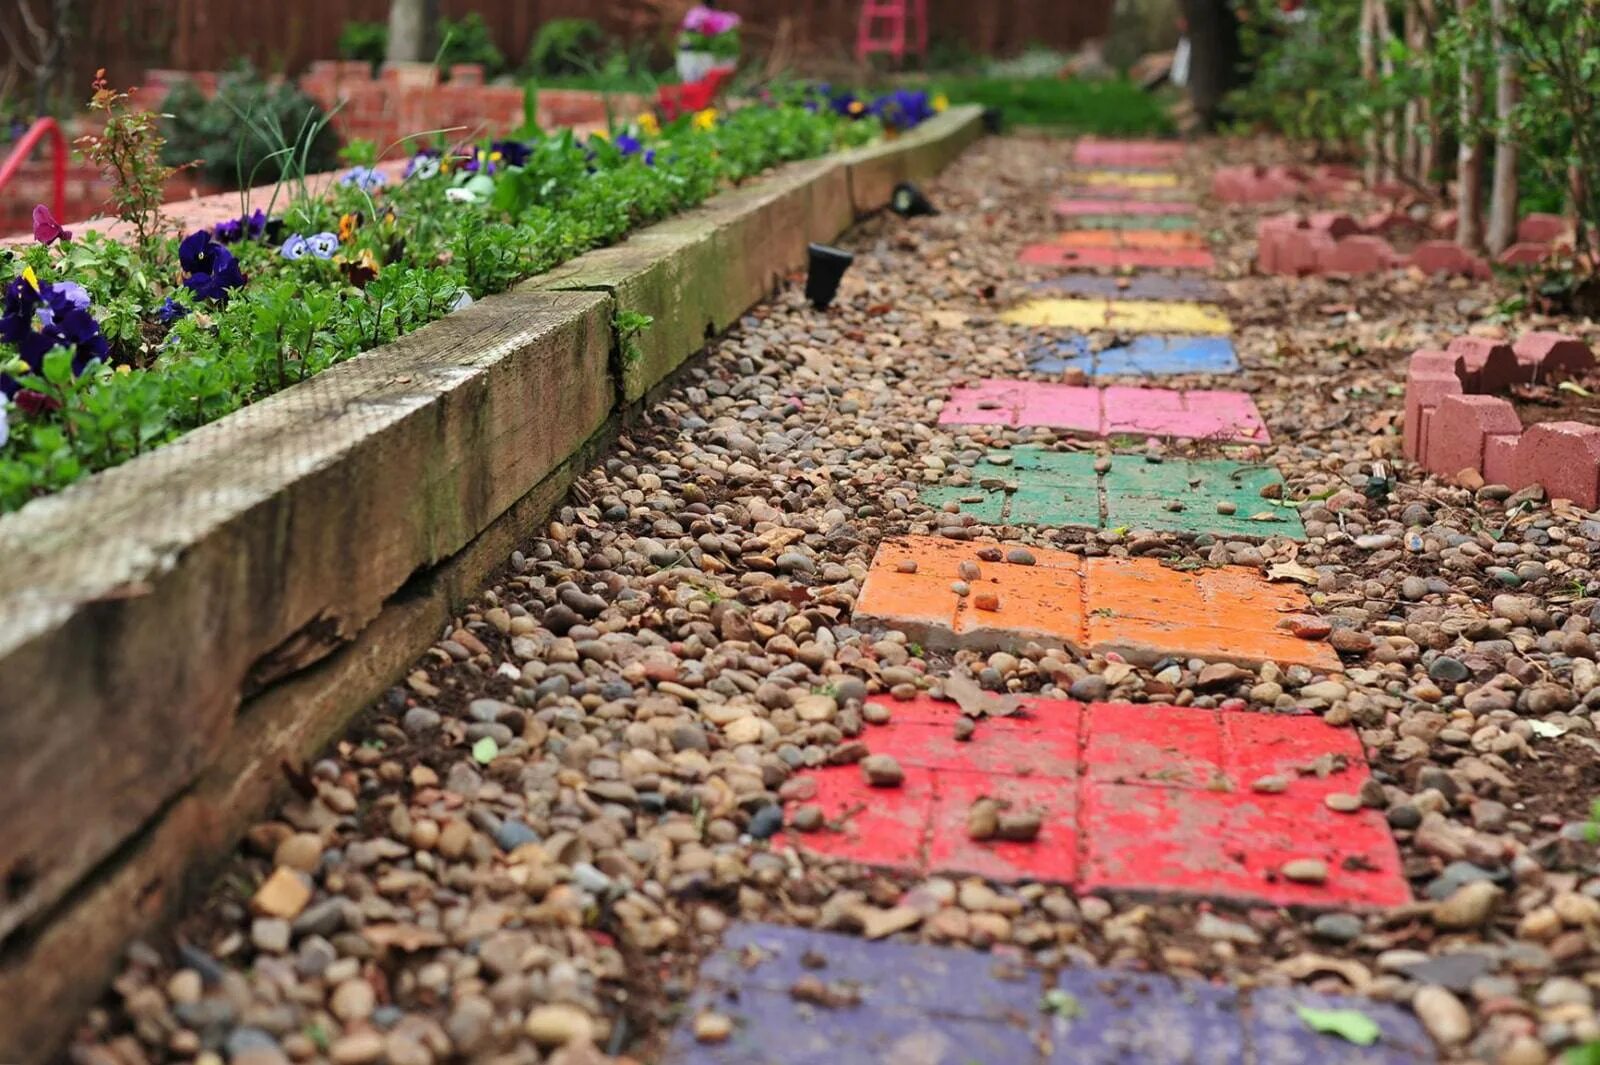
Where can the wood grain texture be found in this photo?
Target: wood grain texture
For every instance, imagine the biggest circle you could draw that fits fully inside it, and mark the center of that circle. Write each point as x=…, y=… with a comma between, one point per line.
x=875, y=170
x=140, y=602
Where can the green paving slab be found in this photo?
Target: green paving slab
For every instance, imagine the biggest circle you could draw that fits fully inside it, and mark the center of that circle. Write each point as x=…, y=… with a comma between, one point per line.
x=1035, y=486
x=1126, y=221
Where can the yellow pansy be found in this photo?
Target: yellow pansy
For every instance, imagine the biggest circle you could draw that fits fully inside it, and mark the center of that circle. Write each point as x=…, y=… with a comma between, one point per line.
x=648, y=124
x=706, y=119
x=856, y=107
x=600, y=135
x=941, y=102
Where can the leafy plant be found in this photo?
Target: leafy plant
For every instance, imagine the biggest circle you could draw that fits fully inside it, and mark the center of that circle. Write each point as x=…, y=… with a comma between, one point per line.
x=129, y=152
x=563, y=46
x=250, y=132
x=469, y=41
x=364, y=40
x=629, y=325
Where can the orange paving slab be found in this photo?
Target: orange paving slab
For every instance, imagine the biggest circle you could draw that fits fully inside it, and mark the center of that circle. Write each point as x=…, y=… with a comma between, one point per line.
x=1162, y=239
x=1137, y=607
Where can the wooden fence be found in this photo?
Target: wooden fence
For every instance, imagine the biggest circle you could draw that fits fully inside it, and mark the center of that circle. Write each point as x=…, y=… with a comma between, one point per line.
x=128, y=36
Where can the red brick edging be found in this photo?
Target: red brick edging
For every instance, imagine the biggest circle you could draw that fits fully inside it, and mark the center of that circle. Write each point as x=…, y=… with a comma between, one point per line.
x=1454, y=422
x=1330, y=242
x=1270, y=184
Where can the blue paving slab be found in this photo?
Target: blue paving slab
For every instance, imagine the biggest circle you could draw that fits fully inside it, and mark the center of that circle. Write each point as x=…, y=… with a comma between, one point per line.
x=1146, y=356
x=911, y=1004
x=1139, y=286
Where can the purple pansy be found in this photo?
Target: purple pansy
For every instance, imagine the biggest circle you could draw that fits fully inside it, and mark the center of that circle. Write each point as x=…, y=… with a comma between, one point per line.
x=38, y=319
x=46, y=230
x=212, y=270
x=250, y=226
x=423, y=165
x=512, y=153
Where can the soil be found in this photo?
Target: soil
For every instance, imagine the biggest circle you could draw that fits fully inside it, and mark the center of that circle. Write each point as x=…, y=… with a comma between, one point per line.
x=1553, y=403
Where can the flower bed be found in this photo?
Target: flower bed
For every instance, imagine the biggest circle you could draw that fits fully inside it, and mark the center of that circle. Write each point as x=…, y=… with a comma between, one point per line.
x=174, y=334
x=203, y=616
x=1455, y=422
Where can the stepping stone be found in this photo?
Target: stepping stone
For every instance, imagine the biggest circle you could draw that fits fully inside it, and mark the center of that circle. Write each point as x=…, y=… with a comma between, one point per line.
x=915, y=1004
x=1113, y=783
x=1080, y=208
x=1127, y=153
x=1126, y=179
x=1147, y=356
x=1121, y=258
x=1136, y=222
x=1136, y=607
x=1140, y=286
x=1130, y=238
x=1118, y=192
x=1121, y=315
x=1032, y=486
x=1140, y=412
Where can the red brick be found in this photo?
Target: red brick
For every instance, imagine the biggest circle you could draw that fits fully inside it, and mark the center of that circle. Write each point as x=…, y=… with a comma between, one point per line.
x=1565, y=458
x=1447, y=257
x=1356, y=255
x=1524, y=253
x=1500, y=458
x=462, y=74
x=1335, y=224
x=1548, y=355
x=1427, y=382
x=1542, y=228
x=1458, y=428
x=1485, y=365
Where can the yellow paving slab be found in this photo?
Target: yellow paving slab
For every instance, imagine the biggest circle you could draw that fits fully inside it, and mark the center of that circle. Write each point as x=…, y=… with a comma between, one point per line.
x=1129, y=180
x=1144, y=316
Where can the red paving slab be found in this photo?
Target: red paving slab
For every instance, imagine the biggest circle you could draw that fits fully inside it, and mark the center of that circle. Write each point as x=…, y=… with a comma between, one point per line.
x=1131, y=154
x=1134, y=606
x=1059, y=255
x=1140, y=798
x=1101, y=205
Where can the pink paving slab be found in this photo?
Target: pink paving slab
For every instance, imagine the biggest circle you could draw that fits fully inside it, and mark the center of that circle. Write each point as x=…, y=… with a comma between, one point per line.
x=1128, y=153
x=1197, y=413
x=1078, y=207
x=1146, y=258
x=1151, y=799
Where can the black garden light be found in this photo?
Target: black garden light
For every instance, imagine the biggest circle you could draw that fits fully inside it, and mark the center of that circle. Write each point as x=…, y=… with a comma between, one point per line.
x=994, y=120
x=823, y=271
x=909, y=202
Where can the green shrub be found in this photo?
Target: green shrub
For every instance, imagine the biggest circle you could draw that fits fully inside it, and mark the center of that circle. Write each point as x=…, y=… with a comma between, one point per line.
x=238, y=136
x=364, y=40
x=1114, y=106
x=564, y=46
x=469, y=41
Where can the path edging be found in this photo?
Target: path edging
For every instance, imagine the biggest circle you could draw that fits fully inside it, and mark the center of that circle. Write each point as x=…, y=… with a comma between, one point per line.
x=154, y=609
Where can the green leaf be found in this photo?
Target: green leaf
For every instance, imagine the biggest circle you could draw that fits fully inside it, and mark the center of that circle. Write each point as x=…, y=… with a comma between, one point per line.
x=1574, y=387
x=484, y=751
x=1352, y=1026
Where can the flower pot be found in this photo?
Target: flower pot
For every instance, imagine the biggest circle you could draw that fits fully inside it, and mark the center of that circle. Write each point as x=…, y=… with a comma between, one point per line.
x=693, y=65
x=909, y=202
x=823, y=270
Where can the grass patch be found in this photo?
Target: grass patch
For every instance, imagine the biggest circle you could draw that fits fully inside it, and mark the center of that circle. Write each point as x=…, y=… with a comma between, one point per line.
x=1068, y=105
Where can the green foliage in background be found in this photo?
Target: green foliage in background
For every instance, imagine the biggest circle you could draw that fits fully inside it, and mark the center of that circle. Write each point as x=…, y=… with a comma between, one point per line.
x=1113, y=106
x=239, y=135
x=564, y=47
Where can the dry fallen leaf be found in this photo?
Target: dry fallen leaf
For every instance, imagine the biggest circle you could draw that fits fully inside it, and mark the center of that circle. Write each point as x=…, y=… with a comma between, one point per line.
x=1292, y=571
x=961, y=689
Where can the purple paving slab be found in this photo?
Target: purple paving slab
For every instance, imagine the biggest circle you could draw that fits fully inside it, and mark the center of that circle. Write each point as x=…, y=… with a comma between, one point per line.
x=925, y=1005
x=1278, y=1036
x=1140, y=286
x=771, y=1028
x=1145, y=1018
x=904, y=976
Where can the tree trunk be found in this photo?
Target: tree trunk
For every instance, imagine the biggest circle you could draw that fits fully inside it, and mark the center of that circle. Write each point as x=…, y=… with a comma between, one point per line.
x=1503, y=195
x=1367, y=46
x=1214, y=56
x=411, y=29
x=1469, y=157
x=1388, y=121
x=1411, y=144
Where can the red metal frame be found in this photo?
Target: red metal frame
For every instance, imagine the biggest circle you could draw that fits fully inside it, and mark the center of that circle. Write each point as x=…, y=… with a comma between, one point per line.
x=895, y=17
x=44, y=127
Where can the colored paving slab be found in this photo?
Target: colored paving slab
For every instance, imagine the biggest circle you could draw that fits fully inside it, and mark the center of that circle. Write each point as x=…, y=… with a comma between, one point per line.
x=914, y=1004
x=1079, y=208
x=1130, y=238
x=1132, y=797
x=1135, y=222
x=1112, y=411
x=1031, y=486
x=1147, y=356
x=1136, y=607
x=1124, y=179
x=1059, y=255
x=1130, y=154
x=1122, y=315
x=1140, y=286
x=1119, y=192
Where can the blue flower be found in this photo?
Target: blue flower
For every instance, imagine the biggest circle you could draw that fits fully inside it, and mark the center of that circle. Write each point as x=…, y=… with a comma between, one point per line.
x=38, y=318
x=512, y=153
x=294, y=247
x=322, y=245
x=170, y=311
x=246, y=227
x=423, y=165
x=366, y=178
x=628, y=145
x=212, y=270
